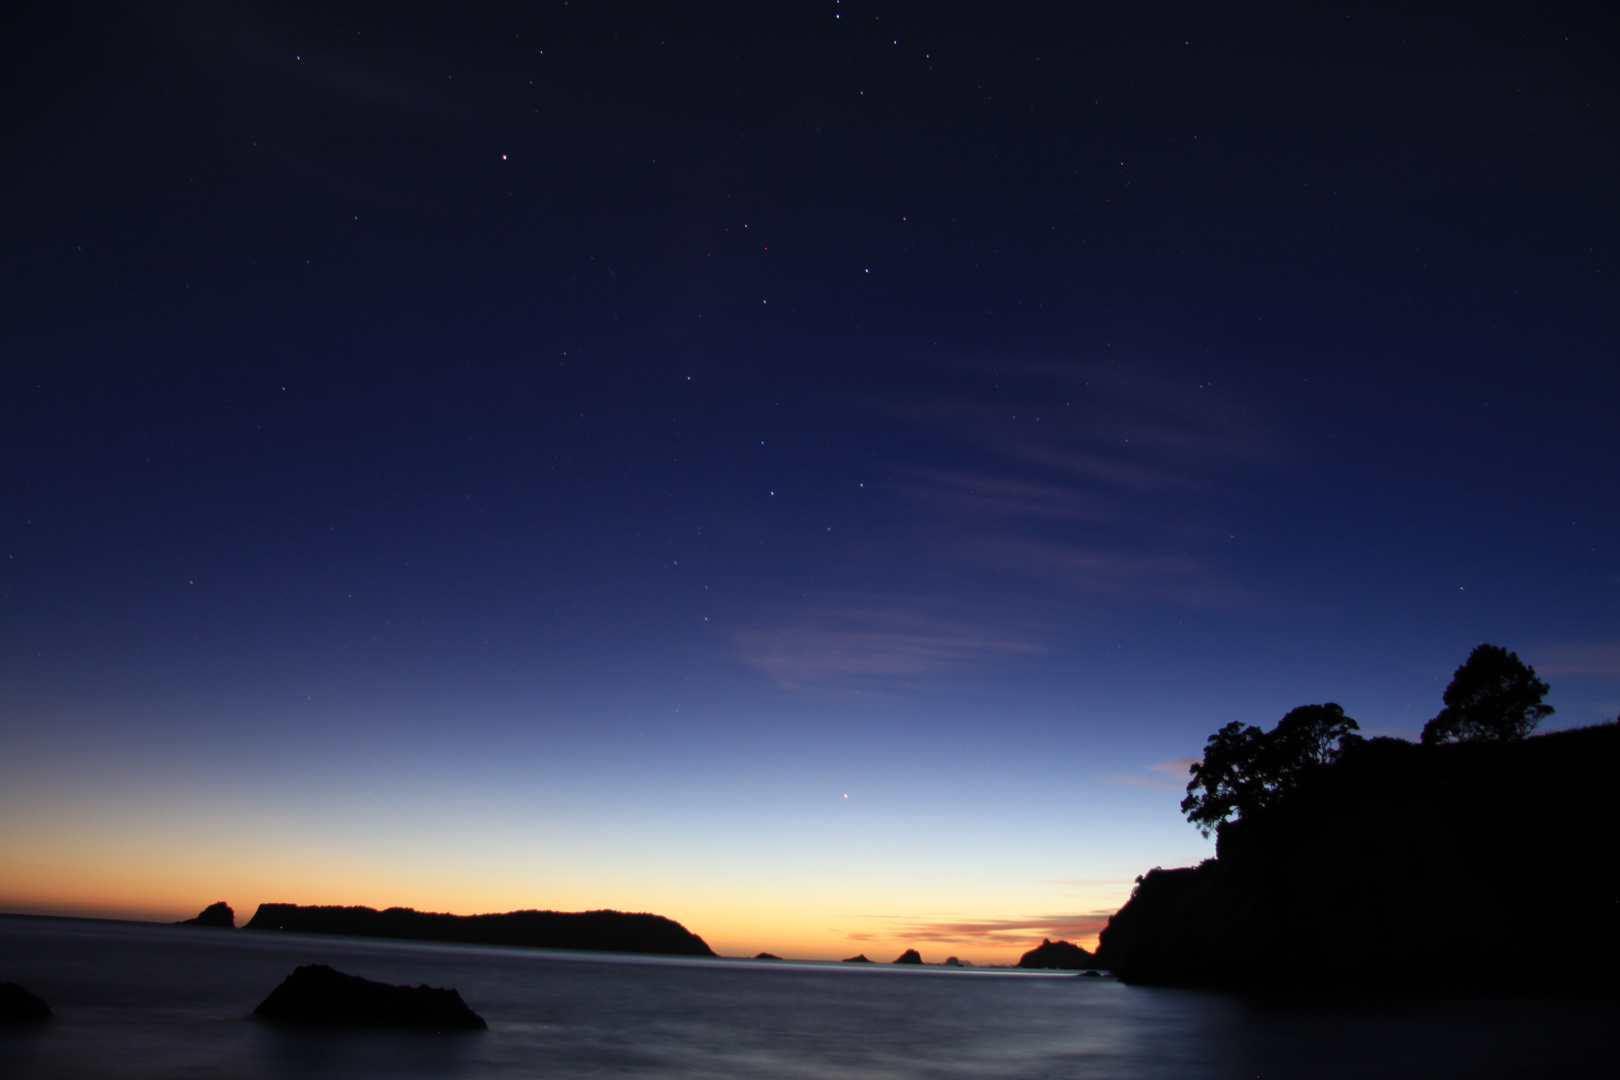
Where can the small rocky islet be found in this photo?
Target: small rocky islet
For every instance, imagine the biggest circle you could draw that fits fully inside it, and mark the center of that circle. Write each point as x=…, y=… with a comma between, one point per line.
x=316, y=995
x=19, y=1006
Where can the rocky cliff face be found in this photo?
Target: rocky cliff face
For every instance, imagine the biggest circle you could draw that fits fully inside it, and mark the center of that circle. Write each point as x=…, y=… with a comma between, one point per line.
x=1473, y=865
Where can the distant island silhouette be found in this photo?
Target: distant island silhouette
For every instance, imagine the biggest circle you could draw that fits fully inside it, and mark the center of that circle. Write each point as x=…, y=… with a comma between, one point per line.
x=216, y=915
x=1062, y=955
x=910, y=956
x=587, y=931
x=1471, y=864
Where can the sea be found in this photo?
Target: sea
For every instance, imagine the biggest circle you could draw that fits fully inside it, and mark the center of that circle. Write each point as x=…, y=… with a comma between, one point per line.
x=138, y=1000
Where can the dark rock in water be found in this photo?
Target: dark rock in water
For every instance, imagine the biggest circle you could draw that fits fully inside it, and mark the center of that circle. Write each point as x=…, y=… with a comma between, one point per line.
x=859, y=959
x=319, y=996
x=219, y=914
x=1090, y=974
x=910, y=956
x=1062, y=955
x=767, y=956
x=591, y=931
x=18, y=1006
x=1429, y=852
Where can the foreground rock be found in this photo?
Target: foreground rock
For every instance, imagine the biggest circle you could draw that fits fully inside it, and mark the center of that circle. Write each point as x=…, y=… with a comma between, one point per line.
x=590, y=931
x=316, y=995
x=1061, y=955
x=219, y=914
x=18, y=1006
x=1471, y=866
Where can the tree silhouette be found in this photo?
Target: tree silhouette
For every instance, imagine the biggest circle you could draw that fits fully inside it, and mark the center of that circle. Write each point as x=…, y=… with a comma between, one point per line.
x=1493, y=696
x=1245, y=769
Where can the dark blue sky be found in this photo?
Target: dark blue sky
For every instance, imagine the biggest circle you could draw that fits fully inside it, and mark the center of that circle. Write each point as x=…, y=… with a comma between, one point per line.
x=707, y=410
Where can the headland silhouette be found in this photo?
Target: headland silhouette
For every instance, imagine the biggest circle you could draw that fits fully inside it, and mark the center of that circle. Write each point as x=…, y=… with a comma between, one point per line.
x=1478, y=859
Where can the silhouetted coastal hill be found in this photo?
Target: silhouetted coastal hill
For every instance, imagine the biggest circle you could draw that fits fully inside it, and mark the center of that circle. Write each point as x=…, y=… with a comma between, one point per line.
x=1482, y=865
x=588, y=931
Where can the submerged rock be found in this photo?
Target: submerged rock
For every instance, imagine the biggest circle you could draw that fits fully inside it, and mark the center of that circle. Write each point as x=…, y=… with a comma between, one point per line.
x=1063, y=955
x=317, y=995
x=219, y=914
x=18, y=1006
x=859, y=958
x=910, y=956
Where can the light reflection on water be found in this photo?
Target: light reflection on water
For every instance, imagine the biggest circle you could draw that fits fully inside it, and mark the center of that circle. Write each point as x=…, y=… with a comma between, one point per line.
x=135, y=1000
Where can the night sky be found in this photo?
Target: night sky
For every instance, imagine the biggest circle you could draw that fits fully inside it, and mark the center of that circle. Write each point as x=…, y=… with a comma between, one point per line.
x=816, y=471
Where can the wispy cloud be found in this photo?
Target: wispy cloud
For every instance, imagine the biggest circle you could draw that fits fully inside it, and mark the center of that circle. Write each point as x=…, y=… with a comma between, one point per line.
x=992, y=933
x=1042, y=487
x=1580, y=658
x=1098, y=571
x=1090, y=478
x=1172, y=776
x=874, y=638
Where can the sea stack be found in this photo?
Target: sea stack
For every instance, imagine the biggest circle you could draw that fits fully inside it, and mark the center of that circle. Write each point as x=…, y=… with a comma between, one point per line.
x=910, y=956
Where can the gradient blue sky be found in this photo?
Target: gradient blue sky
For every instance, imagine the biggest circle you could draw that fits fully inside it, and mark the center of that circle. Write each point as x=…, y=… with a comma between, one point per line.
x=819, y=478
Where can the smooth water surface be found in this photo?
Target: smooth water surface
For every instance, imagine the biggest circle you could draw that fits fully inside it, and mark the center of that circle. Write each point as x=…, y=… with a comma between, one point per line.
x=137, y=1000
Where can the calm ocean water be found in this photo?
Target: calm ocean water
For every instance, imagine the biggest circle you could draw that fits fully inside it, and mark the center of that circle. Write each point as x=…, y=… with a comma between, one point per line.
x=135, y=1000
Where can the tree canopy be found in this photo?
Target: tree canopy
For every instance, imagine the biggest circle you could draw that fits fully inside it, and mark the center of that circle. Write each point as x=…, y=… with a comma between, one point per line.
x=1493, y=696
x=1245, y=769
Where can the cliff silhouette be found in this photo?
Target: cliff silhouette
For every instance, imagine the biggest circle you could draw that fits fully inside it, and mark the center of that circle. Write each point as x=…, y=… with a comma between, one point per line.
x=587, y=931
x=1472, y=865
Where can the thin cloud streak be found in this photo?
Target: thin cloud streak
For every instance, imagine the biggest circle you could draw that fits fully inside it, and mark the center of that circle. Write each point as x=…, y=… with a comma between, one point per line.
x=1175, y=767
x=872, y=640
x=993, y=933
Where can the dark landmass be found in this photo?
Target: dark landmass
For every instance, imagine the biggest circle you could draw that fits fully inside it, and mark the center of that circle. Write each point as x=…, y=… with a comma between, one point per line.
x=767, y=956
x=219, y=914
x=1062, y=955
x=1477, y=865
x=587, y=931
x=316, y=995
x=19, y=1006
x=910, y=956
x=951, y=961
x=1091, y=973
x=859, y=959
